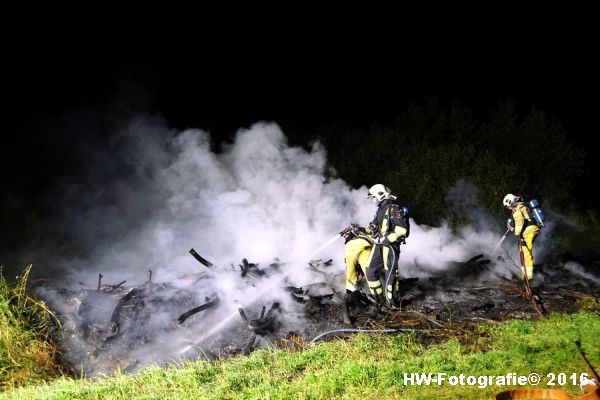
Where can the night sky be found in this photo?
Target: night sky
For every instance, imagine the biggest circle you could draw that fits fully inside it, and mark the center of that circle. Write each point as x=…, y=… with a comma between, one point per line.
x=52, y=94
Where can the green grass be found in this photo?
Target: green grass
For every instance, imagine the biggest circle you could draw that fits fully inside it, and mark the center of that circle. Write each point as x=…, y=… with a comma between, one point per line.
x=26, y=354
x=363, y=367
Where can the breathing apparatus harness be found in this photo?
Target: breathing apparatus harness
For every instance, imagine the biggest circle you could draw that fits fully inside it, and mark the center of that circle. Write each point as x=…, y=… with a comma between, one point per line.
x=378, y=234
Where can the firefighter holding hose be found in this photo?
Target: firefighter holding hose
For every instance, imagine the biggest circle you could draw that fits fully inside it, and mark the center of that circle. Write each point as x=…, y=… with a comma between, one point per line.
x=525, y=229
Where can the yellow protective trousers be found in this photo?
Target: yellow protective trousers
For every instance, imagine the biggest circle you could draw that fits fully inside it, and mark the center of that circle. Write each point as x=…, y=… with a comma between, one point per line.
x=356, y=256
x=526, y=249
x=383, y=263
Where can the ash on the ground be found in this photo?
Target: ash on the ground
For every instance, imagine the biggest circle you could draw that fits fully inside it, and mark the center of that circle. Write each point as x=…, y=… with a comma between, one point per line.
x=120, y=327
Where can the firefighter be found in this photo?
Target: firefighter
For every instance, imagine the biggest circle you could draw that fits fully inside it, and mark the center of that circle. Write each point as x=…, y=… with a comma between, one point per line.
x=387, y=230
x=525, y=229
x=356, y=254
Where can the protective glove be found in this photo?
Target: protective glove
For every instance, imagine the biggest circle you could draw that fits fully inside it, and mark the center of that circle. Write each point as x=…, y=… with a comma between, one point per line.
x=348, y=236
x=510, y=224
x=355, y=228
x=372, y=230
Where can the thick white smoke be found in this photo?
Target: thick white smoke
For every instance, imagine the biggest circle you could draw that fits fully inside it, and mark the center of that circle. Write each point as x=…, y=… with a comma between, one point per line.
x=258, y=199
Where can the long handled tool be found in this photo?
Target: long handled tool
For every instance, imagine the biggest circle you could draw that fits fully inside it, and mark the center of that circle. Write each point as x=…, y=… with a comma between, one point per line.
x=538, y=306
x=535, y=300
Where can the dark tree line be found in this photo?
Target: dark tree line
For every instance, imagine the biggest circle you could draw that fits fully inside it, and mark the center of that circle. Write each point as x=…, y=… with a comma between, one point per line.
x=430, y=147
x=421, y=156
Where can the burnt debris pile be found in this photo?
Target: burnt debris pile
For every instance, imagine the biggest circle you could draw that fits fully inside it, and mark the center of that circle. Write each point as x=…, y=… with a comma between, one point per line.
x=121, y=326
x=116, y=326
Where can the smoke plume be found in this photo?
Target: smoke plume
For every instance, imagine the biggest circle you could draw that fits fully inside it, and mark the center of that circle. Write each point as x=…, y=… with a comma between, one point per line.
x=155, y=193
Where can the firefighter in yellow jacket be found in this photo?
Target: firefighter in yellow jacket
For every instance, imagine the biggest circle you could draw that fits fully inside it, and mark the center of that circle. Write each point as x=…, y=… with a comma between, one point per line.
x=525, y=230
x=388, y=229
x=374, y=250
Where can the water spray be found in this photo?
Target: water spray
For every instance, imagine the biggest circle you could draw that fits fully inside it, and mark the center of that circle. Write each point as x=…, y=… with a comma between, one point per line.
x=326, y=244
x=254, y=298
x=500, y=242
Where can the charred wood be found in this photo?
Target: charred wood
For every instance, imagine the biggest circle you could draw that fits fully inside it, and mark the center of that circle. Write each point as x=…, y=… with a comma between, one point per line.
x=200, y=259
x=196, y=310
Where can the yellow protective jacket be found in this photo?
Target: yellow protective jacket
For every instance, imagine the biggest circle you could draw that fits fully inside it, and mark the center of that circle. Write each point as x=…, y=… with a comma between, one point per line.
x=520, y=214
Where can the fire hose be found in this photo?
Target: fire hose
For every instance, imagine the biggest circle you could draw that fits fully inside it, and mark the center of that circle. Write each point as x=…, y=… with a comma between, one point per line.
x=592, y=393
x=357, y=330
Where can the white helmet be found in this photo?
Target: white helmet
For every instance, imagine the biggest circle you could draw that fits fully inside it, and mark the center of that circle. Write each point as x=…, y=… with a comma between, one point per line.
x=379, y=191
x=510, y=200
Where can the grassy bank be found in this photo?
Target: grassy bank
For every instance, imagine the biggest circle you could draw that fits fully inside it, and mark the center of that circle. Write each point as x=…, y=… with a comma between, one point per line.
x=26, y=354
x=363, y=367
